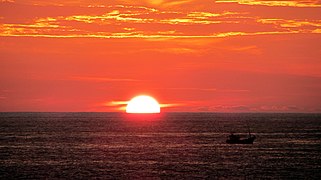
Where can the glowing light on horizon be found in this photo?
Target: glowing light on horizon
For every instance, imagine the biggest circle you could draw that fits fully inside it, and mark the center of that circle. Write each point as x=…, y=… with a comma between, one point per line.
x=143, y=104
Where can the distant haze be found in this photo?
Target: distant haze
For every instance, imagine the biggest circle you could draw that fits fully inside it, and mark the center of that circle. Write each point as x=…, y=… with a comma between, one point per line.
x=215, y=56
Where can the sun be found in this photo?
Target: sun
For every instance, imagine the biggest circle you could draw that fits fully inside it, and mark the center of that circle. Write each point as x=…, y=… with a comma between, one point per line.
x=143, y=104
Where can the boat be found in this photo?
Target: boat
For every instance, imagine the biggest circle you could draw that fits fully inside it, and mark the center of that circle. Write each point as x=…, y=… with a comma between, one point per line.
x=236, y=139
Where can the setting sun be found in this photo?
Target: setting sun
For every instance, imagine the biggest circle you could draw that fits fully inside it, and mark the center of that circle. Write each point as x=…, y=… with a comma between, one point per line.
x=143, y=104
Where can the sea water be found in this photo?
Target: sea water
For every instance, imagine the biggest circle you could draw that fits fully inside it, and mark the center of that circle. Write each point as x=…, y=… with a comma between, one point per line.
x=161, y=146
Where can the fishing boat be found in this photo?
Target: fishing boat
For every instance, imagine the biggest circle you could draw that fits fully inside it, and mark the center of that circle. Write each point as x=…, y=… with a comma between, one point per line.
x=236, y=139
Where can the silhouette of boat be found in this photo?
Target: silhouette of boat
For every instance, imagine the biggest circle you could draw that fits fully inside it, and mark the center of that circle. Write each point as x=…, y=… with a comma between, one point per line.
x=236, y=139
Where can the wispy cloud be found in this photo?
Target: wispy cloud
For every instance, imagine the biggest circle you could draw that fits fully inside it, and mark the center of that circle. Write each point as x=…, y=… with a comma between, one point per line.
x=100, y=79
x=291, y=3
x=285, y=23
x=10, y=1
x=115, y=103
x=170, y=3
x=209, y=89
x=192, y=89
x=124, y=21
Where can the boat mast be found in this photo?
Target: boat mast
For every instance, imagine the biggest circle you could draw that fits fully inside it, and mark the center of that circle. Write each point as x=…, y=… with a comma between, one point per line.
x=248, y=126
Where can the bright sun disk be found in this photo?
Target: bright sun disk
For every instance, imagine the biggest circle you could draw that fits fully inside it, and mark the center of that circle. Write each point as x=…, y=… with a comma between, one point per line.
x=143, y=104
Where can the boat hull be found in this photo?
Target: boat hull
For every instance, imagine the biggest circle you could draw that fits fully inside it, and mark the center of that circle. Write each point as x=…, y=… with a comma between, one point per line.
x=249, y=140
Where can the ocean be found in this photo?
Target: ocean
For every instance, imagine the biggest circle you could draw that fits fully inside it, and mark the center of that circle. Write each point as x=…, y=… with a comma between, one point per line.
x=159, y=146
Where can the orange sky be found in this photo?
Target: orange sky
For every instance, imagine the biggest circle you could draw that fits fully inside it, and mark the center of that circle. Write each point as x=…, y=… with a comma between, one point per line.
x=191, y=55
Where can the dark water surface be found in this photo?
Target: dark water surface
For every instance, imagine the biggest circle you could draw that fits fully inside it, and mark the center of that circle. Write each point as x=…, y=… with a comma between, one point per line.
x=165, y=146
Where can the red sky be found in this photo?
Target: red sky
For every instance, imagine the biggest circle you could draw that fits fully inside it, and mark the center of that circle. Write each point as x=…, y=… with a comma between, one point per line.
x=191, y=55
